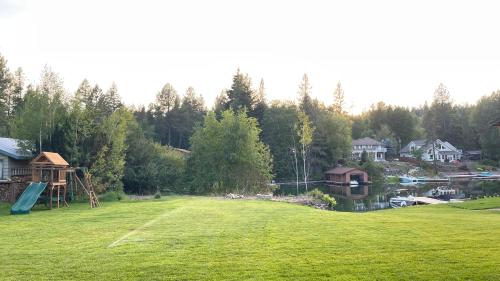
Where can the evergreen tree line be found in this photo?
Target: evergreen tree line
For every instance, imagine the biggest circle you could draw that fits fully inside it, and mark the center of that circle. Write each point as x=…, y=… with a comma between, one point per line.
x=240, y=145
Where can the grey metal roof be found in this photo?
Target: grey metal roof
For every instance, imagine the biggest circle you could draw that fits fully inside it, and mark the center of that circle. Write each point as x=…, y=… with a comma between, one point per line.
x=366, y=141
x=448, y=152
x=10, y=147
x=418, y=143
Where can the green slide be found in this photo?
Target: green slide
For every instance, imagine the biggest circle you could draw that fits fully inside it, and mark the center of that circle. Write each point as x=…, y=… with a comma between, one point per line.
x=28, y=198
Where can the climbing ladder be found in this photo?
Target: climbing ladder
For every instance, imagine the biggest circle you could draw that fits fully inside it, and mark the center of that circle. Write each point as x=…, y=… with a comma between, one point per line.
x=88, y=187
x=94, y=201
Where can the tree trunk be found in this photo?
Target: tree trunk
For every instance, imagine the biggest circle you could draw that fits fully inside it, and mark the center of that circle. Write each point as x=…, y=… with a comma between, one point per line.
x=304, y=161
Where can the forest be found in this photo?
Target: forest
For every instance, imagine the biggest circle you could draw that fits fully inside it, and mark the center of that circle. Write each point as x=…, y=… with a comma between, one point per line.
x=177, y=144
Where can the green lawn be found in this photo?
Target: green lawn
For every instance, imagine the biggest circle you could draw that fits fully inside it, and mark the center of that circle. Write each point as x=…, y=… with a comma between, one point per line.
x=485, y=203
x=198, y=238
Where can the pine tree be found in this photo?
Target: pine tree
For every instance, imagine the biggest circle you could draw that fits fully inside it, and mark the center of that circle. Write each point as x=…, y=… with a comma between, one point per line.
x=220, y=103
x=338, y=100
x=260, y=103
x=5, y=84
x=167, y=101
x=17, y=91
x=110, y=101
x=241, y=94
x=305, y=100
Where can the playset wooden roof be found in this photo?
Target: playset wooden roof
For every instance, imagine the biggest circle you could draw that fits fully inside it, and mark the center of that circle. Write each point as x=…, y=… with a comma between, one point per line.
x=49, y=158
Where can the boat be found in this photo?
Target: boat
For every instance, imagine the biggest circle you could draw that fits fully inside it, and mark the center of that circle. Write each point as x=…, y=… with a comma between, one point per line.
x=441, y=191
x=353, y=183
x=401, y=202
x=408, y=180
x=485, y=174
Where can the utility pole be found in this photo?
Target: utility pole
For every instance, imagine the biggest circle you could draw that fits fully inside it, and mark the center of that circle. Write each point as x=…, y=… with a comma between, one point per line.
x=304, y=160
x=296, y=169
x=40, y=136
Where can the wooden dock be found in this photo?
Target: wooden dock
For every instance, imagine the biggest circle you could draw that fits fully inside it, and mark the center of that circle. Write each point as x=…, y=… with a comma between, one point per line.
x=427, y=200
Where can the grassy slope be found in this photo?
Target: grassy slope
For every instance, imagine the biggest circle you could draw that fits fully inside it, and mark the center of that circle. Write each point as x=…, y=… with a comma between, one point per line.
x=206, y=239
x=485, y=203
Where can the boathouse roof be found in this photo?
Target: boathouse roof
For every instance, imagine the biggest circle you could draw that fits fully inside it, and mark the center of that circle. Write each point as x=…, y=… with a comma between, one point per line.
x=342, y=170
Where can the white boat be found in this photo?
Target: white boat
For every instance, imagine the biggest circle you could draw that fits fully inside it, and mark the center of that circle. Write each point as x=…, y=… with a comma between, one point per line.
x=353, y=183
x=442, y=190
x=399, y=202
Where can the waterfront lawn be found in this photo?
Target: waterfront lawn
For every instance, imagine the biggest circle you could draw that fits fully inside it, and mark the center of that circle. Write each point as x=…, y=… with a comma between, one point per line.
x=480, y=204
x=199, y=238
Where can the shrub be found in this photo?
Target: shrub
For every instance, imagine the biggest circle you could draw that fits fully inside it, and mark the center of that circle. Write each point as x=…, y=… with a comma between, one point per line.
x=463, y=168
x=157, y=194
x=113, y=196
x=489, y=162
x=329, y=200
x=324, y=198
x=315, y=193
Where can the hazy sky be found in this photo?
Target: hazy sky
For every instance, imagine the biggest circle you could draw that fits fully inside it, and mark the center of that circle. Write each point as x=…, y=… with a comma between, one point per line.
x=394, y=51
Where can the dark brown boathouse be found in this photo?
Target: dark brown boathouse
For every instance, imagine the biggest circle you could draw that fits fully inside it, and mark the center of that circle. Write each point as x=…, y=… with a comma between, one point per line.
x=344, y=175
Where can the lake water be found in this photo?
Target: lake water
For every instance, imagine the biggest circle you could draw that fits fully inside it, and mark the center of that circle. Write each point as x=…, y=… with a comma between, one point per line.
x=373, y=197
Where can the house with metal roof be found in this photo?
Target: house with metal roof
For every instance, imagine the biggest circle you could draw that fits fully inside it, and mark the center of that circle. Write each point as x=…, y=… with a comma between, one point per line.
x=375, y=149
x=439, y=150
x=14, y=161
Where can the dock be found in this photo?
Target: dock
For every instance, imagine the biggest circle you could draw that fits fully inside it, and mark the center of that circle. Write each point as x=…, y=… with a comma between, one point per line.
x=427, y=200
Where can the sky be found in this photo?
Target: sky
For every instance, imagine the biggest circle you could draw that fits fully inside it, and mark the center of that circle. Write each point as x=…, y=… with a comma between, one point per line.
x=392, y=51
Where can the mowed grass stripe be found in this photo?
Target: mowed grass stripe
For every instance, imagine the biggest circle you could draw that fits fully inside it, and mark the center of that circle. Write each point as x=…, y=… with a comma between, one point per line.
x=199, y=238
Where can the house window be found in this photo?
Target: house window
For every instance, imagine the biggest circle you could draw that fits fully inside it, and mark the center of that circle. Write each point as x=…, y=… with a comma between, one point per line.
x=431, y=156
x=1, y=169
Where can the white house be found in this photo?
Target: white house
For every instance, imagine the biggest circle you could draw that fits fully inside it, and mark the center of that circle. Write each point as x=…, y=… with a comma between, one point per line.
x=375, y=149
x=442, y=150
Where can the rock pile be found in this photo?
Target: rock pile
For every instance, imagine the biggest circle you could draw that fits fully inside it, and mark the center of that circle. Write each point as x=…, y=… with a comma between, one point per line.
x=234, y=196
x=264, y=196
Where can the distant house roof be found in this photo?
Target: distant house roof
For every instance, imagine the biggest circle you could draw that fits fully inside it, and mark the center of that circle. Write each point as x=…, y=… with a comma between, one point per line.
x=418, y=143
x=448, y=152
x=341, y=170
x=10, y=147
x=50, y=158
x=366, y=141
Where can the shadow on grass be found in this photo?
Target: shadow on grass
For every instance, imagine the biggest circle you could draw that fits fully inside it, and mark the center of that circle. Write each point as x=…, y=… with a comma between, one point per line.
x=5, y=209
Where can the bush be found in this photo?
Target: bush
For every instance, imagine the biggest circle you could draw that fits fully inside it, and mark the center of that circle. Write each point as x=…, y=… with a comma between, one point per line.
x=324, y=198
x=463, y=168
x=489, y=164
x=111, y=196
x=329, y=200
x=315, y=193
x=157, y=194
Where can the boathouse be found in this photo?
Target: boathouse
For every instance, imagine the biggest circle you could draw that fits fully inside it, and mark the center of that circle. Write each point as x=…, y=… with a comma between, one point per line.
x=496, y=123
x=344, y=175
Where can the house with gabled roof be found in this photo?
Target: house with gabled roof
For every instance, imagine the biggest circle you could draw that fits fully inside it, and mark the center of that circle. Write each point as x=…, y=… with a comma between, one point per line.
x=439, y=150
x=14, y=161
x=375, y=149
